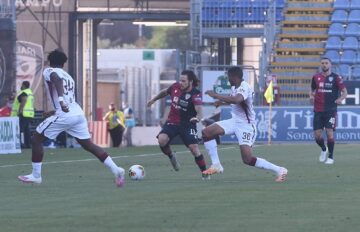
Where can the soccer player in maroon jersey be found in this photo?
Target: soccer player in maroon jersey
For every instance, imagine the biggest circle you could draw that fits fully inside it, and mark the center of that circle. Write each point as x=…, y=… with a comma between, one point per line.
x=327, y=91
x=185, y=112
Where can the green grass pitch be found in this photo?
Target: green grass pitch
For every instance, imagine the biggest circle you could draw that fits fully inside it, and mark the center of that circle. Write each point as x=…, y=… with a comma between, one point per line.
x=78, y=193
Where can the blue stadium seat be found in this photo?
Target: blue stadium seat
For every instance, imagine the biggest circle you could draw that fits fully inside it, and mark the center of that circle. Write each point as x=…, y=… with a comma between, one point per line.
x=348, y=57
x=336, y=29
x=344, y=71
x=333, y=43
x=355, y=5
x=333, y=55
x=355, y=72
x=342, y=4
x=339, y=16
x=350, y=43
x=354, y=16
x=352, y=29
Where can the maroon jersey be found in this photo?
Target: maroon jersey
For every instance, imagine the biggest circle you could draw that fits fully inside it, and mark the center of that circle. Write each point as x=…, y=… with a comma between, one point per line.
x=327, y=90
x=182, y=104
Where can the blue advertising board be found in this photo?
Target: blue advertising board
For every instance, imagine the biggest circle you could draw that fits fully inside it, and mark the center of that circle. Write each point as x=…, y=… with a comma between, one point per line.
x=295, y=124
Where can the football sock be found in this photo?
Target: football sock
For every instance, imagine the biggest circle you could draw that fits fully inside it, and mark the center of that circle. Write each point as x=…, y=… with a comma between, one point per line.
x=321, y=144
x=211, y=147
x=331, y=144
x=36, y=169
x=166, y=150
x=111, y=165
x=200, y=161
x=264, y=164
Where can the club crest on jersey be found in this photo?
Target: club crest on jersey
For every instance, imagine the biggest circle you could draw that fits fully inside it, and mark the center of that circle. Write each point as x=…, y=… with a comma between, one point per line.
x=187, y=96
x=331, y=79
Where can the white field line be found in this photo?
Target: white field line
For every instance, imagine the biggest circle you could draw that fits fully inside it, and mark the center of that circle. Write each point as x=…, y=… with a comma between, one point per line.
x=94, y=159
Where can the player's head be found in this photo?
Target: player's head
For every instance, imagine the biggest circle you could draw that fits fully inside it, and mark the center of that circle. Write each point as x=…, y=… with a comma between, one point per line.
x=188, y=80
x=235, y=75
x=25, y=85
x=57, y=58
x=325, y=64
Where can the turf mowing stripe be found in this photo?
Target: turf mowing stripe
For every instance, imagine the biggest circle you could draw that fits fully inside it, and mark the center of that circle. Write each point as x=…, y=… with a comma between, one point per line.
x=94, y=159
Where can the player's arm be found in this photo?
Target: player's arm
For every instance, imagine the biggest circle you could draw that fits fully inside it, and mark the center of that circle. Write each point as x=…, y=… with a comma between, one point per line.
x=199, y=113
x=57, y=81
x=163, y=93
x=220, y=103
x=343, y=95
x=237, y=99
x=312, y=91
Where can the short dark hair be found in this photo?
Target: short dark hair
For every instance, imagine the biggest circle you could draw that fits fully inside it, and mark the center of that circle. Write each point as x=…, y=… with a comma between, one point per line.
x=235, y=71
x=191, y=77
x=57, y=58
x=26, y=84
x=325, y=58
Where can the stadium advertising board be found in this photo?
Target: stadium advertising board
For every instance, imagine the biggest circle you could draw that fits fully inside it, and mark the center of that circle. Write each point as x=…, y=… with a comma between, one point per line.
x=353, y=88
x=295, y=124
x=9, y=135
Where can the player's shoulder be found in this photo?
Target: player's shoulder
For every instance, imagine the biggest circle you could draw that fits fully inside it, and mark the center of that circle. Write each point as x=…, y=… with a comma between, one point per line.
x=195, y=91
x=47, y=71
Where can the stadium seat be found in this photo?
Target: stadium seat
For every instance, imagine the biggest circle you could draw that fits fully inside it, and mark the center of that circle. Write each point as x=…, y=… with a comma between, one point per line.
x=348, y=57
x=339, y=16
x=334, y=56
x=333, y=42
x=352, y=29
x=355, y=72
x=355, y=5
x=344, y=71
x=350, y=43
x=354, y=16
x=336, y=29
x=342, y=4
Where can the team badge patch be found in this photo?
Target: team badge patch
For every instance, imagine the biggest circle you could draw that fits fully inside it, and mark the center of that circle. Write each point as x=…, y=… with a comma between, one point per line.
x=331, y=79
x=187, y=96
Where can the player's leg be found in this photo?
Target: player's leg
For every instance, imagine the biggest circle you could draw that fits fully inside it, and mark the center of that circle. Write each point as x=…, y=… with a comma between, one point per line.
x=49, y=128
x=246, y=134
x=318, y=125
x=209, y=134
x=249, y=159
x=330, y=127
x=80, y=131
x=167, y=133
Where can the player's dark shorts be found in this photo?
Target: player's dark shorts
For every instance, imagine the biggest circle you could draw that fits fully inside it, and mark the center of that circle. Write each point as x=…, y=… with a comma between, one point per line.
x=187, y=133
x=324, y=119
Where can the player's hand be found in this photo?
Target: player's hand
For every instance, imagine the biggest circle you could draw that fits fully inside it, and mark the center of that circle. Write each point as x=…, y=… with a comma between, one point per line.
x=217, y=103
x=338, y=101
x=311, y=99
x=149, y=103
x=211, y=93
x=64, y=107
x=194, y=120
x=47, y=114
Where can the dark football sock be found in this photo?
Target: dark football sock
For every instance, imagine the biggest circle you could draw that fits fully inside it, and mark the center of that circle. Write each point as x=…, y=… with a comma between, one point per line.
x=200, y=161
x=331, y=144
x=321, y=144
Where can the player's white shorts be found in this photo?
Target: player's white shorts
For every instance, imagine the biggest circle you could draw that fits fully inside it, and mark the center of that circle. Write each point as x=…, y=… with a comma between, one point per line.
x=245, y=132
x=75, y=125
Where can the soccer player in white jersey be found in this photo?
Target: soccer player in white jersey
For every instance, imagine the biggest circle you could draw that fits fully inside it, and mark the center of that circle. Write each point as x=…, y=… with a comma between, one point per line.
x=242, y=124
x=67, y=116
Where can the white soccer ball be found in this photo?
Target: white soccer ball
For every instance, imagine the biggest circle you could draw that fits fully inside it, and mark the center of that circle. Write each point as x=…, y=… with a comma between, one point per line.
x=136, y=172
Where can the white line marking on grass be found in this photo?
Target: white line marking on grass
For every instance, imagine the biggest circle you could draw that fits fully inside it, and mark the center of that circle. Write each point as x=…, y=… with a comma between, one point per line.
x=94, y=159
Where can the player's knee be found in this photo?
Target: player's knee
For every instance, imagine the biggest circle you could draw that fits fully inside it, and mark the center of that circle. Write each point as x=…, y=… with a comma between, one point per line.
x=205, y=135
x=163, y=140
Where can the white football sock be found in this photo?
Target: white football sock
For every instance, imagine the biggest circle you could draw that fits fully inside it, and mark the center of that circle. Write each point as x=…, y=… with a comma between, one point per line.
x=211, y=147
x=111, y=165
x=264, y=164
x=36, y=169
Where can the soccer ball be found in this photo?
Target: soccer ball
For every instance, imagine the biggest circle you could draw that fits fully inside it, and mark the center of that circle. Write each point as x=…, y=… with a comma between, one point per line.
x=137, y=172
